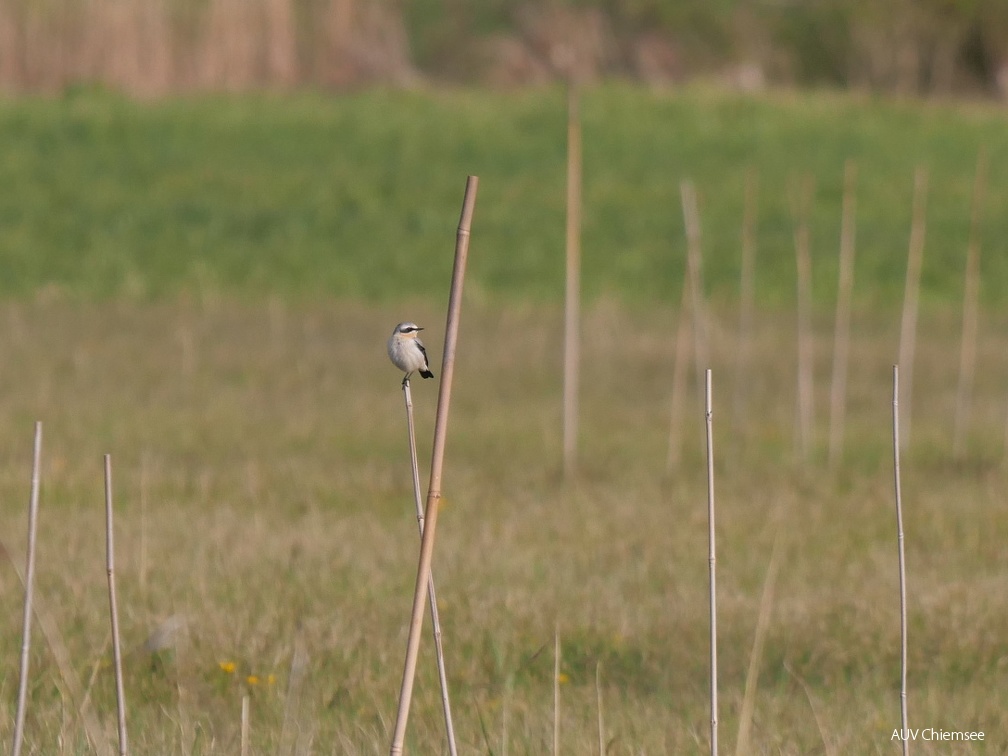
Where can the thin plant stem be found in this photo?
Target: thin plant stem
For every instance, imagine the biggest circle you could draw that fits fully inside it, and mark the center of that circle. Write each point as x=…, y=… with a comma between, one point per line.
x=711, y=565
x=841, y=336
x=572, y=299
x=759, y=639
x=431, y=592
x=113, y=610
x=911, y=296
x=29, y=594
x=827, y=748
x=971, y=307
x=902, y=563
x=437, y=462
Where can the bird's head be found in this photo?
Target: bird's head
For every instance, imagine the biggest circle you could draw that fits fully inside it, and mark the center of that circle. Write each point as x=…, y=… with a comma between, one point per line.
x=408, y=330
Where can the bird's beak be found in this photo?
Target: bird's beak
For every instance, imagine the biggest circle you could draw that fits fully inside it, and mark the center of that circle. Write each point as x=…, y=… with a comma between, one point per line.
x=419, y=328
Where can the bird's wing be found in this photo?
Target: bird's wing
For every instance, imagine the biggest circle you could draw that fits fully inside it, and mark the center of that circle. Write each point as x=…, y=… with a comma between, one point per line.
x=423, y=352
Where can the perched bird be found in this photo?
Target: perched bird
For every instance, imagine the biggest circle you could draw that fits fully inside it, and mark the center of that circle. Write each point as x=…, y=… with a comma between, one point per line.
x=407, y=351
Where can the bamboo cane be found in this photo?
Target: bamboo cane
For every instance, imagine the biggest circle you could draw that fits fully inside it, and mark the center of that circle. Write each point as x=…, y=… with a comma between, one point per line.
x=437, y=462
x=29, y=594
x=711, y=565
x=902, y=564
x=113, y=610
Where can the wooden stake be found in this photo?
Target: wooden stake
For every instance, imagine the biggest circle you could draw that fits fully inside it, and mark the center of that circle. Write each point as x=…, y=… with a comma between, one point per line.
x=902, y=565
x=841, y=335
x=572, y=299
x=29, y=594
x=113, y=610
x=437, y=463
x=711, y=565
x=911, y=295
x=971, y=308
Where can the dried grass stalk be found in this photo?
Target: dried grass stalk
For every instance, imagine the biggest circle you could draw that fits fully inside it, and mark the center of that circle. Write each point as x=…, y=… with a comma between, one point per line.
x=437, y=462
x=759, y=639
x=828, y=749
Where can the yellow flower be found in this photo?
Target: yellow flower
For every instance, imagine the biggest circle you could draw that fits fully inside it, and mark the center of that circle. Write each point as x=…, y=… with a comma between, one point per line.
x=252, y=679
x=270, y=679
x=563, y=678
x=227, y=667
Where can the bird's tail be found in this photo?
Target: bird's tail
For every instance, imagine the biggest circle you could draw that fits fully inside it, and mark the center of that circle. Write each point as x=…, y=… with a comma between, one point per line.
x=426, y=373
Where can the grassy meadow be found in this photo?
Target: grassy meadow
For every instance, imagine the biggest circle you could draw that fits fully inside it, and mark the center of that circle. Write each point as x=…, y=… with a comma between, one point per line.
x=203, y=289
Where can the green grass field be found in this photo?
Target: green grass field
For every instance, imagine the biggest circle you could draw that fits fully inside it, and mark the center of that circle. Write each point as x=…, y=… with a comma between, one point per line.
x=203, y=289
x=311, y=197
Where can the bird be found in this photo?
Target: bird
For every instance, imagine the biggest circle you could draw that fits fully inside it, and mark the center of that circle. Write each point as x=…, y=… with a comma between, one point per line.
x=407, y=351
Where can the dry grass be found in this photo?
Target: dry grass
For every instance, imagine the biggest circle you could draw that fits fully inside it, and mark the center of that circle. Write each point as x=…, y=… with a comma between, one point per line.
x=151, y=47
x=279, y=517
